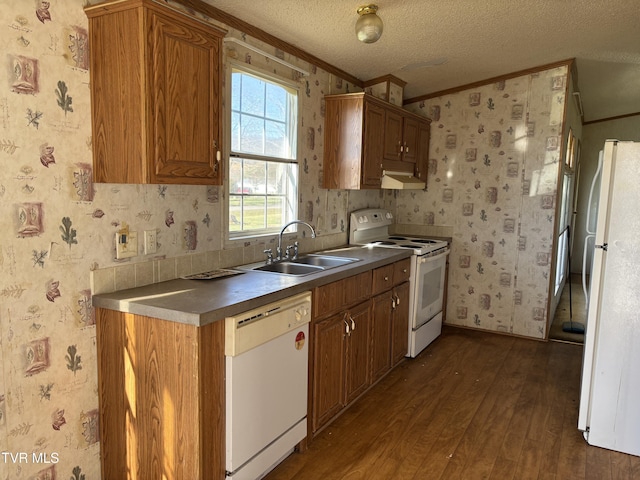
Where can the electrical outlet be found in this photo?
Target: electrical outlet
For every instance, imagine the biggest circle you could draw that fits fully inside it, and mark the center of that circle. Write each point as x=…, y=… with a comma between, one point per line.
x=150, y=244
x=126, y=244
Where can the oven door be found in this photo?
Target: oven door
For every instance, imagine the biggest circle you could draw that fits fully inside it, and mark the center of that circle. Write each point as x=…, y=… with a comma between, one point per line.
x=429, y=287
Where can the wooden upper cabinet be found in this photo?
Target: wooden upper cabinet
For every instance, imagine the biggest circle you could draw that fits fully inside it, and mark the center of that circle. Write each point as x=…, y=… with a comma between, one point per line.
x=410, y=129
x=364, y=136
x=155, y=95
x=401, y=141
x=393, y=137
x=373, y=145
x=353, y=142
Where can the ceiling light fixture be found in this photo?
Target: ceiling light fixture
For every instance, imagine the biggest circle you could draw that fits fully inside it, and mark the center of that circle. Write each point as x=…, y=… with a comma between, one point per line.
x=369, y=25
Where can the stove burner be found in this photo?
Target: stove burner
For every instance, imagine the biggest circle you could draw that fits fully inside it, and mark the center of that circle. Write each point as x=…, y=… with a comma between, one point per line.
x=422, y=240
x=407, y=246
x=397, y=238
x=384, y=243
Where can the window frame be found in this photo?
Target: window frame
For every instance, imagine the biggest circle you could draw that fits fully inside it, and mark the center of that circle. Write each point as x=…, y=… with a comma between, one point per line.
x=294, y=162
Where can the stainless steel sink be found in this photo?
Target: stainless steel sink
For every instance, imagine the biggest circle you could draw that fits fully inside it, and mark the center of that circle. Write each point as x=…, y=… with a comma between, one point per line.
x=304, y=265
x=289, y=268
x=325, y=261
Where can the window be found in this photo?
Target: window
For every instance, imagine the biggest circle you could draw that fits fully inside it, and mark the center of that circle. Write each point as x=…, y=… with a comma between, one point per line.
x=263, y=169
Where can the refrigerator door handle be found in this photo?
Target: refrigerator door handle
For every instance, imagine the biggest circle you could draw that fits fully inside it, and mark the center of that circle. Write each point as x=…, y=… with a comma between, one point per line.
x=593, y=186
x=584, y=269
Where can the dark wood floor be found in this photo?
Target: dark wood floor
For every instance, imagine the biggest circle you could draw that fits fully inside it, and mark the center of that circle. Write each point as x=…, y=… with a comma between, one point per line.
x=472, y=406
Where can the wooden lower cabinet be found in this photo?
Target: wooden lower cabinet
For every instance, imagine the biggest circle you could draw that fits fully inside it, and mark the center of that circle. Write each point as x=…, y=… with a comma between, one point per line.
x=390, y=330
x=399, y=323
x=340, y=362
x=328, y=369
x=380, y=335
x=353, y=346
x=161, y=392
x=358, y=373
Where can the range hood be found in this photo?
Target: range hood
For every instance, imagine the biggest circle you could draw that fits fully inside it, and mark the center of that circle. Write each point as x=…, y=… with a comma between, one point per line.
x=401, y=181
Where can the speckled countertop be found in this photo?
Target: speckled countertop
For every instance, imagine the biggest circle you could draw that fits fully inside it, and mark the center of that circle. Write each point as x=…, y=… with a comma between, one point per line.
x=200, y=302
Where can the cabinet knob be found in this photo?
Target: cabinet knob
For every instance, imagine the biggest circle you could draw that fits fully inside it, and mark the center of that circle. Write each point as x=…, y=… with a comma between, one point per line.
x=386, y=278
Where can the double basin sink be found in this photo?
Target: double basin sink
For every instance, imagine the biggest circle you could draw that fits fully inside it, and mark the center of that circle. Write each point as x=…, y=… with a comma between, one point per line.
x=303, y=265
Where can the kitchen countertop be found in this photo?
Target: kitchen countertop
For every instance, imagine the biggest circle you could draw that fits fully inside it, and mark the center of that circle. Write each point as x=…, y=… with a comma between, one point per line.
x=200, y=302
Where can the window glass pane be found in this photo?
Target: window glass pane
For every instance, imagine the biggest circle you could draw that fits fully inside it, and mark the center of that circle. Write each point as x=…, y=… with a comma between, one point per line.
x=276, y=213
x=274, y=181
x=254, y=212
x=255, y=175
x=276, y=102
x=235, y=213
x=253, y=95
x=275, y=139
x=251, y=135
x=235, y=131
x=236, y=80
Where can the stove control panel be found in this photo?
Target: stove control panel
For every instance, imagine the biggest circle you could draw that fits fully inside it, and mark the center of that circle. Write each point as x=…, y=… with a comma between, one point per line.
x=372, y=216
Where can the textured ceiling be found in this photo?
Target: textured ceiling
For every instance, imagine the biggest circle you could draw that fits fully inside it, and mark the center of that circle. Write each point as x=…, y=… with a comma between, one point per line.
x=478, y=39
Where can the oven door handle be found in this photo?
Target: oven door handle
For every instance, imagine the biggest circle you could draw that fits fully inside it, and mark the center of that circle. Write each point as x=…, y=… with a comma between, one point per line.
x=424, y=259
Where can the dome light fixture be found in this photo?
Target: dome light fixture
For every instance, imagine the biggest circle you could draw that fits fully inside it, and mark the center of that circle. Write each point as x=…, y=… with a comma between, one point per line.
x=369, y=25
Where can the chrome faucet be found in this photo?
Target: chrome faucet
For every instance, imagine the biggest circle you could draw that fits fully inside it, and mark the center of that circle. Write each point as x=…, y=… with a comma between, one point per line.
x=279, y=256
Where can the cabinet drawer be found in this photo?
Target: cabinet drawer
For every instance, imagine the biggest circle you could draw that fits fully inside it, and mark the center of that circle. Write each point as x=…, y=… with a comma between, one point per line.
x=401, y=271
x=383, y=278
x=336, y=296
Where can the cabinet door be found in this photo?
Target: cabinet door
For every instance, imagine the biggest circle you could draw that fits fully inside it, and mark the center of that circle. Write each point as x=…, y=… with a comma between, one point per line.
x=184, y=124
x=357, y=368
x=392, y=136
x=400, y=323
x=373, y=144
x=422, y=162
x=380, y=335
x=328, y=369
x=410, y=140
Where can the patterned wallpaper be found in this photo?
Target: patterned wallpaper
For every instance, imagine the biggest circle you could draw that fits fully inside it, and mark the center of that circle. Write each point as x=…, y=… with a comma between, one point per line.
x=57, y=227
x=493, y=181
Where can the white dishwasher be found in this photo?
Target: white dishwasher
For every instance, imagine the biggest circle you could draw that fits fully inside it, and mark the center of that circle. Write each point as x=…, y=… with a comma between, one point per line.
x=267, y=356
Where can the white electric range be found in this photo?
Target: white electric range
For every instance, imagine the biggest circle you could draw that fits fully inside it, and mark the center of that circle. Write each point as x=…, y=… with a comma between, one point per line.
x=370, y=227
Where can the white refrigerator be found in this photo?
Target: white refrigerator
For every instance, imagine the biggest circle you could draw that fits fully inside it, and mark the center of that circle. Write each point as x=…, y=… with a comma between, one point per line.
x=610, y=388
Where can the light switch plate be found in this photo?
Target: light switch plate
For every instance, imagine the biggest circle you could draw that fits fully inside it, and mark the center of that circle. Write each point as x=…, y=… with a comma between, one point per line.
x=126, y=245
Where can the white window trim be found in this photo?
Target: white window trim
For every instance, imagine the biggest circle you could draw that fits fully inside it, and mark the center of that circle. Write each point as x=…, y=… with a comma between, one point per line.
x=231, y=65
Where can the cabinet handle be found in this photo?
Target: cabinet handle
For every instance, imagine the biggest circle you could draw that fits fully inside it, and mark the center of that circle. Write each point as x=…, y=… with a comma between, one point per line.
x=353, y=324
x=397, y=300
x=406, y=148
x=393, y=303
x=218, y=158
x=346, y=326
